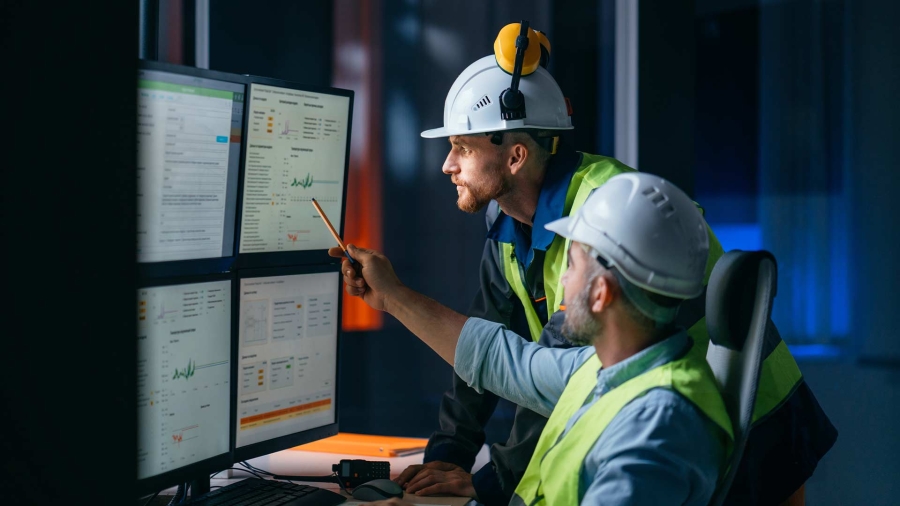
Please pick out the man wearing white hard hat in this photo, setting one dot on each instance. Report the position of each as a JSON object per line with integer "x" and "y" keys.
{"x": 648, "y": 426}
{"x": 502, "y": 117}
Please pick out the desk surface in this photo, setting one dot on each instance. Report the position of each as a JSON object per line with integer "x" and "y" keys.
{"x": 300, "y": 463}
{"x": 292, "y": 462}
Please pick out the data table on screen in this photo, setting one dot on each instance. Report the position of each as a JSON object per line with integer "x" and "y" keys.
{"x": 189, "y": 138}
{"x": 287, "y": 369}
{"x": 296, "y": 151}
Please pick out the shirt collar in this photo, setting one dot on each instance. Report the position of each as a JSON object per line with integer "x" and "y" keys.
{"x": 550, "y": 206}
{"x": 663, "y": 352}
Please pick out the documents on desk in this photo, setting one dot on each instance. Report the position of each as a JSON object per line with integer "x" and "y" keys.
{"x": 367, "y": 445}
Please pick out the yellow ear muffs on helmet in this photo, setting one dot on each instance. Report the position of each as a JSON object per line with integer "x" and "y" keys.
{"x": 505, "y": 49}
{"x": 519, "y": 51}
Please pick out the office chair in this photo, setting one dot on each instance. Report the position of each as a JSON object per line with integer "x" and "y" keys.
{"x": 738, "y": 306}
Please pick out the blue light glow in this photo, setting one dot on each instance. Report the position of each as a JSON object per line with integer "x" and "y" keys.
{"x": 743, "y": 236}
{"x": 814, "y": 351}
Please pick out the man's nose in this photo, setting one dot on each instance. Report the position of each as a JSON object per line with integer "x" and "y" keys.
{"x": 450, "y": 165}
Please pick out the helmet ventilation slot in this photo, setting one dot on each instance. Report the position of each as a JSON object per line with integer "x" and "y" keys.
{"x": 485, "y": 101}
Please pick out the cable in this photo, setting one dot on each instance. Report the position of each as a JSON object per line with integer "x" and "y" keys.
{"x": 254, "y": 468}
{"x": 311, "y": 479}
{"x": 332, "y": 478}
{"x": 154, "y": 496}
{"x": 340, "y": 483}
{"x": 178, "y": 497}
{"x": 249, "y": 471}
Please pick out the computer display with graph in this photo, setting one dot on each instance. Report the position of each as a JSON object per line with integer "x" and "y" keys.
{"x": 297, "y": 150}
{"x": 239, "y": 305}
{"x": 189, "y": 145}
{"x": 184, "y": 376}
{"x": 286, "y": 358}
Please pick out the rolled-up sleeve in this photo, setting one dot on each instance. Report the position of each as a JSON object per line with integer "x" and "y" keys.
{"x": 490, "y": 357}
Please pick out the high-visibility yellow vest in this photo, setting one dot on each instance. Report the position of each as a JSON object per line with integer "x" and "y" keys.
{"x": 779, "y": 374}
{"x": 553, "y": 474}
{"x": 593, "y": 172}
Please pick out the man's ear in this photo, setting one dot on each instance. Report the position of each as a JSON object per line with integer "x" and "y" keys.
{"x": 517, "y": 156}
{"x": 601, "y": 293}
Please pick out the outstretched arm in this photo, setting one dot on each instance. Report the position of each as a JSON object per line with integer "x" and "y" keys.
{"x": 490, "y": 356}
{"x": 436, "y": 325}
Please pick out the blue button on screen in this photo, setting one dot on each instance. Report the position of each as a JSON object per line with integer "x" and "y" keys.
{"x": 221, "y": 138}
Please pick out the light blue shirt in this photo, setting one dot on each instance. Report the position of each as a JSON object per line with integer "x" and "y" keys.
{"x": 659, "y": 449}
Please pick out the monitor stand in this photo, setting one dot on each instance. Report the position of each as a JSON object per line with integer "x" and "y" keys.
{"x": 200, "y": 486}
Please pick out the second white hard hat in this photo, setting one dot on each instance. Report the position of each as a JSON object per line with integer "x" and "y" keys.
{"x": 473, "y": 103}
{"x": 647, "y": 228}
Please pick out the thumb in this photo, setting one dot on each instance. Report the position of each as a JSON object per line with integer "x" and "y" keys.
{"x": 355, "y": 251}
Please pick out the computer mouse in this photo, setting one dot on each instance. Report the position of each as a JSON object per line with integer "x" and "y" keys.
{"x": 377, "y": 490}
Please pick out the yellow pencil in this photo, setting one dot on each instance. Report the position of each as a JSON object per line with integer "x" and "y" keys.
{"x": 333, "y": 231}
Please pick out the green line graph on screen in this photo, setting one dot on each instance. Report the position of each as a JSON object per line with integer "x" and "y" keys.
{"x": 187, "y": 372}
{"x": 297, "y": 151}
{"x": 308, "y": 181}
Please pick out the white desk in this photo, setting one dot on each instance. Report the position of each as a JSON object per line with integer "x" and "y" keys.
{"x": 297, "y": 463}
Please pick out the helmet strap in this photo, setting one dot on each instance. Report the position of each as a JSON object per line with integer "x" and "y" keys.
{"x": 512, "y": 101}
{"x": 663, "y": 316}
{"x": 659, "y": 314}
{"x": 551, "y": 144}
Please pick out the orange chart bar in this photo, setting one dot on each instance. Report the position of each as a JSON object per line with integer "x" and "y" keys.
{"x": 293, "y": 410}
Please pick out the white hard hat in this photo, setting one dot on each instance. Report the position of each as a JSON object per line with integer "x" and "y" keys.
{"x": 648, "y": 229}
{"x": 473, "y": 103}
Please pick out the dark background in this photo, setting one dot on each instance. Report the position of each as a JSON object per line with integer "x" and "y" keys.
{"x": 778, "y": 117}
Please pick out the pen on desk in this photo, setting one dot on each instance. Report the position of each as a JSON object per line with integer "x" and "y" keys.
{"x": 334, "y": 232}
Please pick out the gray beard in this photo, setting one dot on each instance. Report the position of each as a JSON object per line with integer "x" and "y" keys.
{"x": 579, "y": 327}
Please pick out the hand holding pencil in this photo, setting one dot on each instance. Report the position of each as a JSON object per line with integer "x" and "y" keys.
{"x": 333, "y": 231}
{"x": 380, "y": 279}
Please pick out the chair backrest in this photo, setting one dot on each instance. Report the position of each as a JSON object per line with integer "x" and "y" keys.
{"x": 739, "y": 299}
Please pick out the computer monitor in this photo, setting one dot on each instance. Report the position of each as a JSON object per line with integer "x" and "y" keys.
{"x": 184, "y": 379}
{"x": 298, "y": 144}
{"x": 190, "y": 125}
{"x": 287, "y": 358}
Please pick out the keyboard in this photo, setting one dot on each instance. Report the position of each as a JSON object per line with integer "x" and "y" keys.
{"x": 257, "y": 492}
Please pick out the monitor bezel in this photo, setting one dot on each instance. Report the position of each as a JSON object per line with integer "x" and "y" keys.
{"x": 211, "y": 265}
{"x": 289, "y": 258}
{"x": 297, "y": 438}
{"x": 205, "y": 467}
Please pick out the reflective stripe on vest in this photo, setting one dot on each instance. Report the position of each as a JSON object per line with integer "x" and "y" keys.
{"x": 553, "y": 474}
{"x": 779, "y": 375}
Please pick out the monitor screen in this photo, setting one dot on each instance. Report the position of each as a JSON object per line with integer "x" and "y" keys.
{"x": 183, "y": 375}
{"x": 189, "y": 144}
{"x": 287, "y": 355}
{"x": 297, "y": 143}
